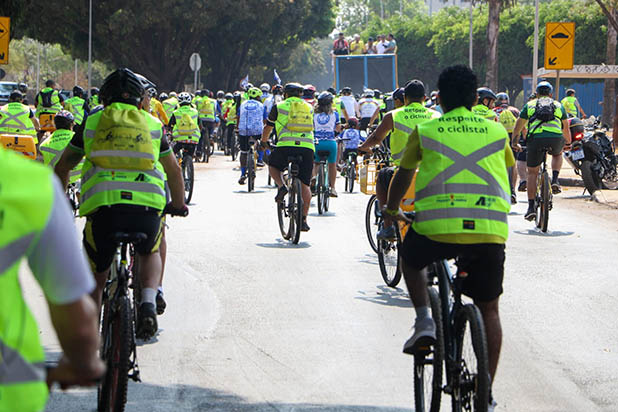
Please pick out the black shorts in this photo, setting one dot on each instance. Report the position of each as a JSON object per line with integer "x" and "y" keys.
{"x": 364, "y": 122}
{"x": 484, "y": 262}
{"x": 178, "y": 146}
{"x": 102, "y": 224}
{"x": 385, "y": 175}
{"x": 346, "y": 152}
{"x": 536, "y": 145}
{"x": 243, "y": 142}
{"x": 522, "y": 156}
{"x": 279, "y": 160}
{"x": 208, "y": 125}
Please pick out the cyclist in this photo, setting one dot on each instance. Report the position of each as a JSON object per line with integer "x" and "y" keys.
{"x": 38, "y": 225}
{"x": 571, "y": 105}
{"x": 309, "y": 94}
{"x": 293, "y": 140}
{"x": 265, "y": 88}
{"x": 369, "y": 110}
{"x": 52, "y": 147}
{"x": 16, "y": 117}
{"x": 349, "y": 105}
{"x": 250, "y": 127}
{"x": 507, "y": 116}
{"x": 94, "y": 101}
{"x": 23, "y": 88}
{"x": 48, "y": 100}
{"x": 485, "y": 104}
{"x": 184, "y": 124}
{"x": 477, "y": 152}
{"x": 548, "y": 129}
{"x": 326, "y": 123}
{"x": 156, "y": 107}
{"x": 207, "y": 108}
{"x": 351, "y": 138}
{"x": 230, "y": 115}
{"x": 77, "y": 105}
{"x": 275, "y": 97}
{"x": 123, "y": 191}
{"x": 170, "y": 104}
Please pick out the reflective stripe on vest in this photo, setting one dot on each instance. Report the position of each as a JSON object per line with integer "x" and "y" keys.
{"x": 54, "y": 152}
{"x": 286, "y": 137}
{"x": 18, "y": 124}
{"x": 77, "y": 104}
{"x": 15, "y": 369}
{"x": 553, "y": 126}
{"x": 96, "y": 169}
{"x": 106, "y": 186}
{"x": 12, "y": 253}
{"x": 460, "y": 213}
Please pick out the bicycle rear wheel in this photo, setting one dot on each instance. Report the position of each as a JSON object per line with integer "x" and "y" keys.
{"x": 297, "y": 210}
{"x": 428, "y": 368}
{"x": 388, "y": 258}
{"x": 542, "y": 204}
{"x": 352, "y": 177}
{"x": 117, "y": 336}
{"x": 326, "y": 188}
{"x": 320, "y": 190}
{"x": 206, "y": 150}
{"x": 372, "y": 222}
{"x": 471, "y": 358}
{"x": 188, "y": 176}
{"x": 250, "y": 172}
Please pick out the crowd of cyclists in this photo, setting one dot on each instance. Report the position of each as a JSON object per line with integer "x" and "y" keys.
{"x": 118, "y": 147}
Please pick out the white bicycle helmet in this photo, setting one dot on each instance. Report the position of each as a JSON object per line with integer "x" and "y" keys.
{"x": 184, "y": 97}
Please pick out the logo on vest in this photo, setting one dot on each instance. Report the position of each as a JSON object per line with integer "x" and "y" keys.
{"x": 483, "y": 201}
{"x": 468, "y": 224}
{"x": 140, "y": 178}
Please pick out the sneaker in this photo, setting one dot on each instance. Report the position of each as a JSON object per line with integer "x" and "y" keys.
{"x": 513, "y": 199}
{"x": 281, "y": 192}
{"x": 260, "y": 164}
{"x": 146, "y": 321}
{"x": 423, "y": 337}
{"x": 522, "y": 186}
{"x": 530, "y": 215}
{"x": 556, "y": 188}
{"x": 492, "y": 404}
{"x": 304, "y": 227}
{"x": 333, "y": 192}
{"x": 242, "y": 180}
{"x": 161, "y": 304}
{"x": 387, "y": 233}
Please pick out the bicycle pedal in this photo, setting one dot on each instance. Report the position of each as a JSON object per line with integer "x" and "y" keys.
{"x": 135, "y": 376}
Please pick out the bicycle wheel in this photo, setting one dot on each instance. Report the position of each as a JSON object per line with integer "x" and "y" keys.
{"x": 285, "y": 219}
{"x": 352, "y": 177}
{"x": 297, "y": 210}
{"x": 388, "y": 258}
{"x": 320, "y": 190}
{"x": 372, "y": 222}
{"x": 187, "y": 175}
{"x": 326, "y": 188}
{"x": 250, "y": 172}
{"x": 428, "y": 368}
{"x": 542, "y": 203}
{"x": 117, "y": 336}
{"x": 471, "y": 360}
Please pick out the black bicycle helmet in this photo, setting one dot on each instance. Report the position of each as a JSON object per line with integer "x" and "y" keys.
{"x": 94, "y": 91}
{"x": 377, "y": 93}
{"x": 325, "y": 98}
{"x": 332, "y": 90}
{"x": 205, "y": 93}
{"x": 399, "y": 94}
{"x": 163, "y": 96}
{"x": 78, "y": 91}
{"x": 277, "y": 89}
{"x": 122, "y": 85}
{"x": 485, "y": 93}
{"x": 502, "y": 98}
{"x": 294, "y": 89}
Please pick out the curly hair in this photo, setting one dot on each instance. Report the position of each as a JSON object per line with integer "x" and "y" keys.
{"x": 457, "y": 85}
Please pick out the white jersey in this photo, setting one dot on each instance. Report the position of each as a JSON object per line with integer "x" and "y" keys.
{"x": 367, "y": 107}
{"x": 351, "y": 106}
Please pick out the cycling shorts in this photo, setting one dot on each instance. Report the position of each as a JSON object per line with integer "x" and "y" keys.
{"x": 346, "y": 152}
{"x": 484, "y": 262}
{"x": 536, "y": 145}
{"x": 102, "y": 224}
{"x": 364, "y": 123}
{"x": 385, "y": 175}
{"x": 208, "y": 125}
{"x": 178, "y": 146}
{"x": 243, "y": 142}
{"x": 279, "y": 160}
{"x": 329, "y": 146}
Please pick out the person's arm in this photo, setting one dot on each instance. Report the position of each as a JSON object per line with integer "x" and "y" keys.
{"x": 579, "y": 107}
{"x": 384, "y": 128}
{"x": 520, "y": 125}
{"x": 270, "y": 123}
{"x": 174, "y": 179}
{"x": 566, "y": 132}
{"x": 376, "y": 112}
{"x": 72, "y": 155}
{"x": 162, "y": 115}
{"x": 403, "y": 178}
{"x": 35, "y": 121}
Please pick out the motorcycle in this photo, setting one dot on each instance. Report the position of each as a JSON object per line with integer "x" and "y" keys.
{"x": 592, "y": 155}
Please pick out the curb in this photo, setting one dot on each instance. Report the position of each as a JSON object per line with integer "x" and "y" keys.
{"x": 571, "y": 182}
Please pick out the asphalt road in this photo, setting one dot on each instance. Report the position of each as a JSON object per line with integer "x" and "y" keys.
{"x": 254, "y": 323}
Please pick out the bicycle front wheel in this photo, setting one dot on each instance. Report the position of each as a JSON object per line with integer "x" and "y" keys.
{"x": 428, "y": 368}
{"x": 188, "y": 176}
{"x": 388, "y": 258}
{"x": 472, "y": 380}
{"x": 297, "y": 210}
{"x": 372, "y": 222}
{"x": 352, "y": 177}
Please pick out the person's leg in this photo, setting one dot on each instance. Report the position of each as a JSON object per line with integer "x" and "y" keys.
{"x": 161, "y": 304}
{"x": 243, "y": 141}
{"x": 556, "y": 165}
{"x": 493, "y": 330}
{"x": 306, "y": 194}
{"x": 332, "y": 175}
{"x": 276, "y": 175}
{"x": 523, "y": 175}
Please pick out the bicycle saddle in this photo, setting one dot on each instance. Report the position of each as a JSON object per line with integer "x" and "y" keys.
{"x": 131, "y": 237}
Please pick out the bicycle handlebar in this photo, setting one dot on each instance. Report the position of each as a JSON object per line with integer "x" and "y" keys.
{"x": 170, "y": 210}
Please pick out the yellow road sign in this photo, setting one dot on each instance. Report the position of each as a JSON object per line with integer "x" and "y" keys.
{"x": 5, "y": 37}
{"x": 559, "y": 45}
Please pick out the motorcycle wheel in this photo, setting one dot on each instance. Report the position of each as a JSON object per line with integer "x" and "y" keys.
{"x": 592, "y": 181}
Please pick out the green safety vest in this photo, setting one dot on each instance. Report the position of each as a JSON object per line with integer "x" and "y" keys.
{"x": 189, "y": 132}
{"x": 206, "y": 107}
{"x": 288, "y": 138}
{"x": 462, "y": 184}
{"x": 26, "y": 201}
{"x": 169, "y": 105}
{"x": 53, "y": 147}
{"x": 484, "y": 111}
{"x": 107, "y": 187}
{"x": 93, "y": 101}
{"x": 55, "y": 107}
{"x": 405, "y": 120}
{"x": 231, "y": 116}
{"x": 77, "y": 108}
{"x": 569, "y": 105}
{"x": 537, "y": 127}
{"x": 16, "y": 119}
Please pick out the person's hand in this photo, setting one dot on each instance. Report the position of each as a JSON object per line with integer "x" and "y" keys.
{"x": 584, "y": 116}
{"x": 516, "y": 147}
{"x": 390, "y": 219}
{"x": 67, "y": 375}
{"x": 567, "y": 146}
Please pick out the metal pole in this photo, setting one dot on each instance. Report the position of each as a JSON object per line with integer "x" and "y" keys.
{"x": 535, "y": 53}
{"x": 38, "y": 66}
{"x": 75, "y": 84}
{"x": 557, "y": 85}
{"x": 89, "y": 45}
{"x": 194, "y": 80}
{"x": 471, "y": 34}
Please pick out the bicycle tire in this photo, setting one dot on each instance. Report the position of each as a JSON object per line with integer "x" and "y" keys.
{"x": 250, "y": 172}
{"x": 206, "y": 151}
{"x": 428, "y": 392}
{"x": 319, "y": 187}
{"x": 112, "y": 392}
{"x": 387, "y": 250}
{"x": 285, "y": 220}
{"x": 297, "y": 210}
{"x": 188, "y": 176}
{"x": 473, "y": 385}
{"x": 372, "y": 222}
{"x": 543, "y": 215}
{"x": 352, "y": 177}
{"x": 326, "y": 188}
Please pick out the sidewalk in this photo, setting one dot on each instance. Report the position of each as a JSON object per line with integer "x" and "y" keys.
{"x": 569, "y": 178}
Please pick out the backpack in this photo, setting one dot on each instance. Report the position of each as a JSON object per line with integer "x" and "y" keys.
{"x": 508, "y": 120}
{"x": 46, "y": 98}
{"x": 300, "y": 118}
{"x": 544, "y": 110}
{"x": 121, "y": 130}
{"x": 186, "y": 125}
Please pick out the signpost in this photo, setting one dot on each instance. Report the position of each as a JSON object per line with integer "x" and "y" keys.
{"x": 559, "y": 48}
{"x": 195, "y": 63}
{"x": 5, "y": 37}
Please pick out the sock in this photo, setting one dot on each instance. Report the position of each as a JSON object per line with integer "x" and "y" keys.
{"x": 243, "y": 170}
{"x": 554, "y": 176}
{"x": 530, "y": 204}
{"x": 149, "y": 295}
{"x": 422, "y": 312}
{"x": 260, "y": 156}
{"x": 160, "y": 289}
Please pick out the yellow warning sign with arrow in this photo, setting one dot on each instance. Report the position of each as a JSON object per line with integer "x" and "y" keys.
{"x": 559, "y": 45}
{"x": 5, "y": 37}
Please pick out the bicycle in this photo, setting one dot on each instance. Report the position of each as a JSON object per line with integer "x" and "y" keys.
{"x": 186, "y": 164}
{"x": 349, "y": 170}
{"x": 290, "y": 209}
{"x": 251, "y": 167}
{"x": 322, "y": 183}
{"x": 373, "y": 216}
{"x": 235, "y": 148}
{"x": 460, "y": 350}
{"x": 73, "y": 196}
{"x": 543, "y": 201}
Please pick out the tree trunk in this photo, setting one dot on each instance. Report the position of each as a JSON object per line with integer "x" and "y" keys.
{"x": 493, "y": 28}
{"x": 609, "y": 91}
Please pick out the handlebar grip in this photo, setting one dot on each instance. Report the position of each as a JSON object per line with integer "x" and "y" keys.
{"x": 170, "y": 210}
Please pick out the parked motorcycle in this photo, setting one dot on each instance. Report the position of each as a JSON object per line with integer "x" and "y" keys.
{"x": 592, "y": 155}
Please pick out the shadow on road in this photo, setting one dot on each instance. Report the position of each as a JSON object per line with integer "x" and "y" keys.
{"x": 327, "y": 214}
{"x": 284, "y": 244}
{"x": 549, "y": 233}
{"x": 247, "y": 193}
{"x": 386, "y": 296}
{"x": 370, "y": 259}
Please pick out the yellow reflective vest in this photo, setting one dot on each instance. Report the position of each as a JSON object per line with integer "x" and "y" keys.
{"x": 405, "y": 120}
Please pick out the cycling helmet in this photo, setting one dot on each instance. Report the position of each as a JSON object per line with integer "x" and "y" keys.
{"x": 78, "y": 91}
{"x": 163, "y": 96}
{"x": 576, "y": 126}
{"x": 377, "y": 93}
{"x": 184, "y": 98}
{"x": 325, "y": 98}
{"x": 22, "y": 87}
{"x": 249, "y": 85}
{"x": 145, "y": 82}
{"x": 173, "y": 94}
{"x": 16, "y": 96}
{"x": 309, "y": 91}
{"x": 544, "y": 88}
{"x": 94, "y": 91}
{"x": 368, "y": 93}
{"x": 502, "y": 98}
{"x": 229, "y": 96}
{"x": 64, "y": 114}
{"x": 398, "y": 94}
{"x": 198, "y": 93}
{"x": 205, "y": 93}
{"x": 254, "y": 93}
{"x": 277, "y": 89}
{"x": 485, "y": 93}
{"x": 532, "y": 96}
{"x": 346, "y": 90}
{"x": 152, "y": 92}
{"x": 332, "y": 90}
{"x": 265, "y": 87}
{"x": 237, "y": 94}
{"x": 122, "y": 85}
{"x": 570, "y": 92}
{"x": 294, "y": 89}
{"x": 353, "y": 122}
{"x": 220, "y": 94}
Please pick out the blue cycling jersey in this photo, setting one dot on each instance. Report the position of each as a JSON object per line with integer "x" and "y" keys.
{"x": 251, "y": 118}
{"x": 324, "y": 125}
{"x": 354, "y": 136}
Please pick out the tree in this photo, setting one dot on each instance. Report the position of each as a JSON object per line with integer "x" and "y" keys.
{"x": 493, "y": 30}
{"x": 609, "y": 91}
